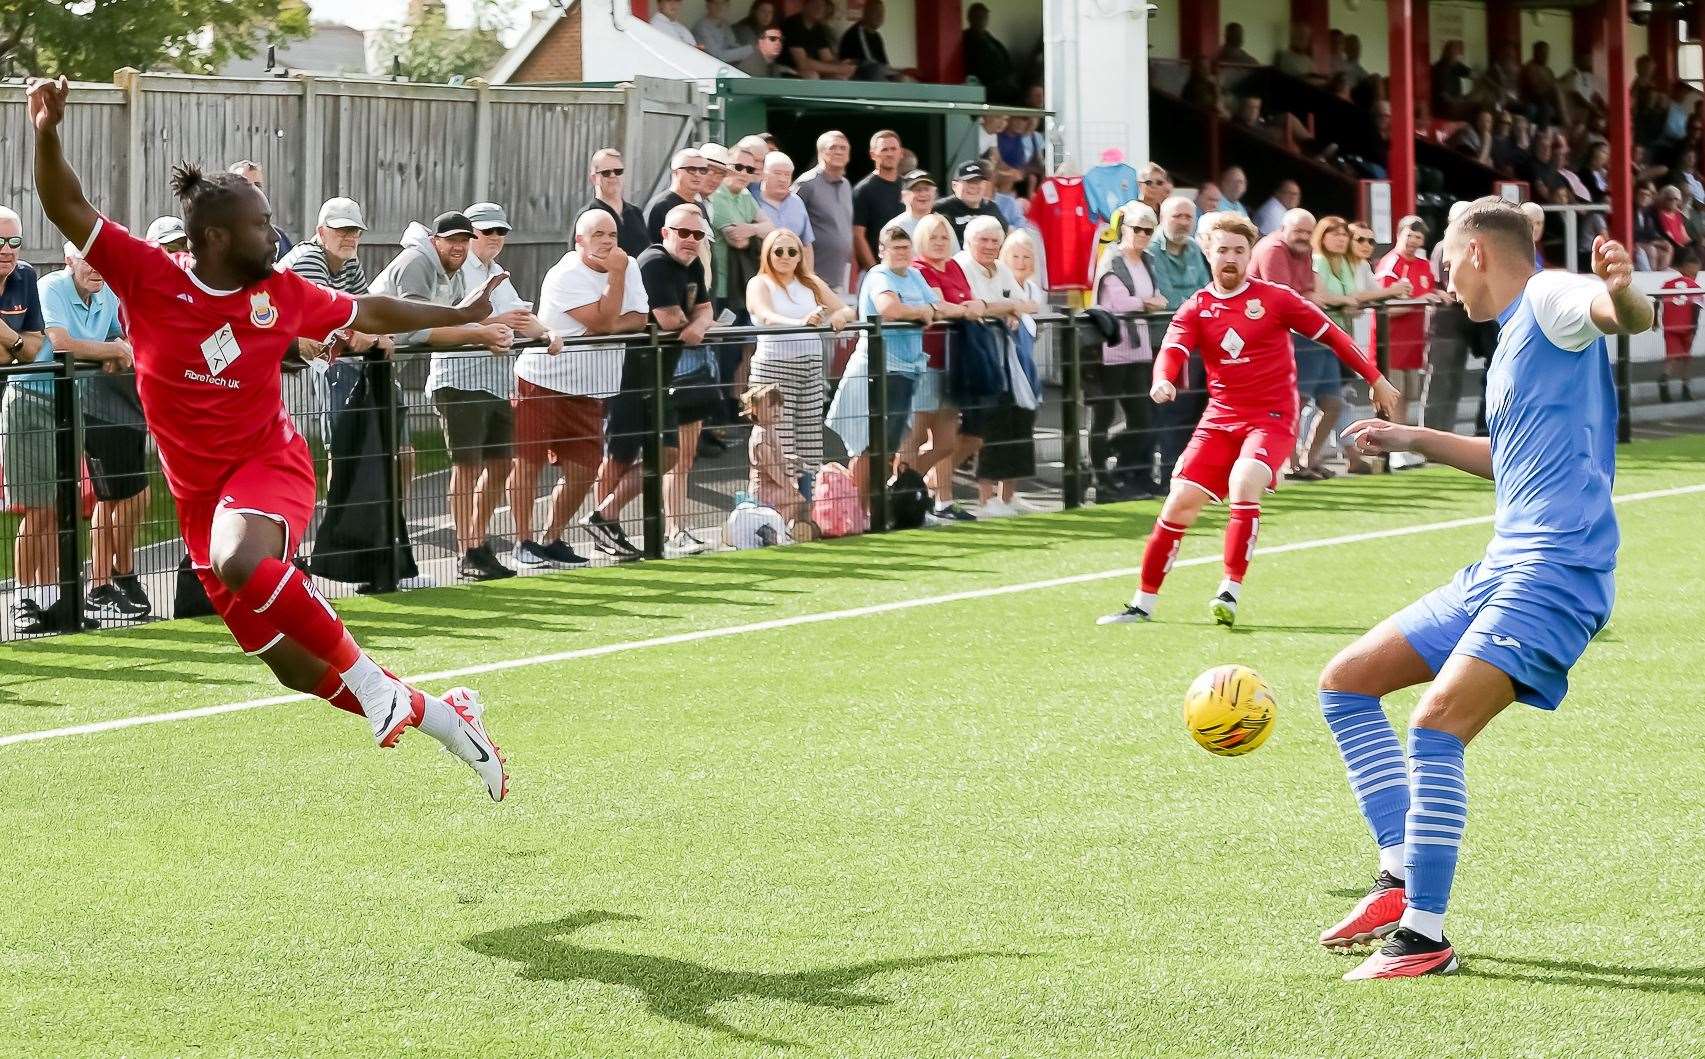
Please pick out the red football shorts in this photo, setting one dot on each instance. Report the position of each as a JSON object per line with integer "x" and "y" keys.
{"x": 278, "y": 485}
{"x": 1207, "y": 460}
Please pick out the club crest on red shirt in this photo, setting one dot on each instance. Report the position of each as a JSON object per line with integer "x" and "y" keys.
{"x": 1254, "y": 309}
{"x": 262, "y": 313}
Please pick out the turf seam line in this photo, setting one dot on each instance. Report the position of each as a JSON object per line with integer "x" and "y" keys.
{"x": 116, "y": 724}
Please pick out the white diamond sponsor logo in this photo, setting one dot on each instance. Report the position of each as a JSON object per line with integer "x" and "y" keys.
{"x": 1232, "y": 343}
{"x": 221, "y": 350}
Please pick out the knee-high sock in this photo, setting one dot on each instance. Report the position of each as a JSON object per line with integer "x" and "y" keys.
{"x": 1379, "y": 778}
{"x": 288, "y": 600}
{"x": 1159, "y": 553}
{"x": 1240, "y": 535}
{"x": 1438, "y": 813}
{"x": 332, "y": 688}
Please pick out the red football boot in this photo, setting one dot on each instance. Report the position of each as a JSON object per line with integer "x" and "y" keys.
{"x": 1374, "y": 916}
{"x": 1407, "y": 954}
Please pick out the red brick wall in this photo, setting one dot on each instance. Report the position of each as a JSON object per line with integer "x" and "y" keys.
{"x": 557, "y": 58}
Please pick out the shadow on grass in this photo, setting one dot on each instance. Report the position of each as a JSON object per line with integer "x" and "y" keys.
{"x": 1675, "y": 980}
{"x": 681, "y": 990}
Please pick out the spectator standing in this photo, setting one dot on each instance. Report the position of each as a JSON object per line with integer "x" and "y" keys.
{"x": 1351, "y": 67}
{"x": 809, "y": 47}
{"x": 917, "y": 196}
{"x": 1006, "y": 451}
{"x": 667, "y": 21}
{"x": 469, "y": 390}
{"x": 828, "y": 198}
{"x": 1335, "y": 272}
{"x": 687, "y": 171}
{"x": 1233, "y": 186}
{"x": 1179, "y": 269}
{"x": 1297, "y": 60}
{"x": 1232, "y": 52}
{"x": 28, "y": 432}
{"x": 862, "y": 45}
{"x": 876, "y": 198}
{"x": 1156, "y": 184}
{"x": 785, "y": 293}
{"x": 607, "y": 172}
{"x": 765, "y": 60}
{"x": 1680, "y": 315}
{"x": 1287, "y": 196}
{"x": 779, "y": 203}
{"x": 934, "y": 446}
{"x": 1451, "y": 339}
{"x": 1208, "y": 198}
{"x": 987, "y": 59}
{"x": 81, "y": 319}
{"x": 760, "y": 16}
{"x": 168, "y": 233}
{"x": 1408, "y": 343}
{"x": 1538, "y": 87}
{"x": 969, "y": 199}
{"x": 595, "y": 289}
{"x": 1451, "y": 77}
{"x": 716, "y": 37}
{"x": 989, "y": 129}
{"x": 1287, "y": 256}
{"x": 742, "y": 226}
{"x": 1023, "y": 258}
{"x": 679, "y": 299}
{"x": 1120, "y": 381}
{"x": 256, "y": 176}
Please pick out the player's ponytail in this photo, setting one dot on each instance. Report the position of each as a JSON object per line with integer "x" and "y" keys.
{"x": 188, "y": 182}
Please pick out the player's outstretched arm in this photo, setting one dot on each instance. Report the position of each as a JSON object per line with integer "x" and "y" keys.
{"x": 1378, "y": 437}
{"x": 57, "y": 186}
{"x": 380, "y": 314}
{"x": 1620, "y": 310}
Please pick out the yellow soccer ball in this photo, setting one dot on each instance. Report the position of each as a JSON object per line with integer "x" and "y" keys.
{"x": 1230, "y": 710}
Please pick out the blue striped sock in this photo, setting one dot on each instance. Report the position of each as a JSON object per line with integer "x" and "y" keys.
{"x": 1378, "y": 777}
{"x": 1438, "y": 813}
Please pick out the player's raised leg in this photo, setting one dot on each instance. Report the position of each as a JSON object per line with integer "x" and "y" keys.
{"x": 1183, "y": 506}
{"x": 1351, "y": 687}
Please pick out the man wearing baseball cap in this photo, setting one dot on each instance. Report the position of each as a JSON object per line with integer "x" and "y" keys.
{"x": 169, "y": 234}
{"x": 970, "y": 198}
{"x": 917, "y": 195}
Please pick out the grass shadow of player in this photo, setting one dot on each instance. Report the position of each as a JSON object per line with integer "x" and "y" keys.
{"x": 1674, "y": 980}
{"x": 683, "y": 991}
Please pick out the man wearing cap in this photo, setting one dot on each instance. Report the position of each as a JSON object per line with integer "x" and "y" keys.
{"x": 828, "y": 198}
{"x": 688, "y": 170}
{"x": 470, "y": 389}
{"x": 917, "y": 197}
{"x": 876, "y": 198}
{"x": 777, "y": 201}
{"x": 169, "y": 235}
{"x": 606, "y": 176}
{"x": 970, "y": 198}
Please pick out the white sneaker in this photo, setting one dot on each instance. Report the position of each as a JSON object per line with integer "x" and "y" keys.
{"x": 418, "y": 581}
{"x": 1223, "y": 608}
{"x": 683, "y": 543}
{"x": 389, "y": 715}
{"x": 476, "y": 747}
{"x": 1403, "y": 461}
{"x": 1129, "y": 616}
{"x": 995, "y": 508}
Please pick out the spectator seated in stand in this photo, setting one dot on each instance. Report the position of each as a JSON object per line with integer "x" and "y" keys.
{"x": 667, "y": 21}
{"x": 862, "y": 45}
{"x": 1231, "y": 52}
{"x": 716, "y": 37}
{"x": 809, "y": 47}
{"x": 987, "y": 59}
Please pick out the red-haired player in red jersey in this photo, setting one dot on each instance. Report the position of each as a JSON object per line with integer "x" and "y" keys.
{"x": 1242, "y": 327}
{"x": 211, "y": 331}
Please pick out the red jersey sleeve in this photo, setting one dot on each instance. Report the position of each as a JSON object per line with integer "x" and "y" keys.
{"x": 318, "y": 311}
{"x": 1308, "y": 319}
{"x": 1182, "y": 336}
{"x": 123, "y": 260}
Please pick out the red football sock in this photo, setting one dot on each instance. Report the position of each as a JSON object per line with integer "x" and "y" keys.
{"x": 1240, "y": 535}
{"x": 289, "y": 601}
{"x": 1159, "y": 553}
{"x": 332, "y": 688}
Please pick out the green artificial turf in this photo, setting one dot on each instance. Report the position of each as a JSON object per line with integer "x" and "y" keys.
{"x": 976, "y": 828}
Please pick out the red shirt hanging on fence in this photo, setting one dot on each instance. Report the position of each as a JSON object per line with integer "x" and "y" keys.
{"x": 1060, "y": 211}
{"x": 208, "y": 361}
{"x": 1408, "y": 326}
{"x": 1680, "y": 317}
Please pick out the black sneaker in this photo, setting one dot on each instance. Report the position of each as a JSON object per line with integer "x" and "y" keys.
{"x": 25, "y": 610}
{"x": 1129, "y": 616}
{"x": 106, "y": 601}
{"x": 558, "y": 553}
{"x": 57, "y": 618}
{"x": 1407, "y": 954}
{"x": 952, "y": 513}
{"x": 130, "y": 586}
{"x": 478, "y": 564}
{"x": 529, "y": 553}
{"x": 607, "y": 537}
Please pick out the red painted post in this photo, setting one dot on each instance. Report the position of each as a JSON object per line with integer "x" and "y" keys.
{"x": 1421, "y": 27}
{"x": 1663, "y": 37}
{"x": 1317, "y": 16}
{"x": 1401, "y": 162}
{"x": 941, "y": 33}
{"x": 1615, "y": 14}
{"x": 1588, "y": 38}
{"x": 641, "y": 10}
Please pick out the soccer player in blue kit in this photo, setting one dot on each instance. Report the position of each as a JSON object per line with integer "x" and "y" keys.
{"x": 1508, "y": 627}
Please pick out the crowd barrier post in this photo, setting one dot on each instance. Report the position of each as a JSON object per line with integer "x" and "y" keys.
{"x": 651, "y": 496}
{"x": 381, "y": 373}
{"x": 1382, "y": 360}
{"x": 1624, "y": 391}
{"x": 68, "y": 468}
{"x": 1071, "y": 437}
{"x": 877, "y": 356}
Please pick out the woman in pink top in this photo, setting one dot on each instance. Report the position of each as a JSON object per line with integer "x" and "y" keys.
{"x": 1122, "y": 379}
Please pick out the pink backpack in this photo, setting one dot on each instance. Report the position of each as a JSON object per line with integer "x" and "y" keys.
{"x": 834, "y": 502}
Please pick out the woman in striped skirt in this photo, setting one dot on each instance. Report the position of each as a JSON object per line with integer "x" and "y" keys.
{"x": 785, "y": 293}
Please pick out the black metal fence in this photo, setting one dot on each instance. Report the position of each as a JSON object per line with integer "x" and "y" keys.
{"x": 90, "y": 534}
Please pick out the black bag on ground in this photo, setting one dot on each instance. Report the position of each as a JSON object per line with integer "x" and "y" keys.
{"x": 908, "y": 499}
{"x": 354, "y": 541}
{"x": 190, "y": 600}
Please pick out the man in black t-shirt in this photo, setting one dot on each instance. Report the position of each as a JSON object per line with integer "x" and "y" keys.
{"x": 862, "y": 44}
{"x": 808, "y": 45}
{"x": 876, "y": 198}
{"x": 688, "y": 169}
{"x": 606, "y": 176}
{"x": 969, "y": 199}
{"x": 675, "y": 287}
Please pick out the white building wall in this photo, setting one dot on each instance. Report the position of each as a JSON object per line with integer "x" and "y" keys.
{"x": 1096, "y": 82}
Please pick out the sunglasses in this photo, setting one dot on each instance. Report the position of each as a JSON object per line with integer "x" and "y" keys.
{"x": 689, "y": 233}
{"x": 1140, "y": 230}
{"x": 495, "y": 231}
{"x": 611, "y": 172}
{"x": 786, "y": 251}
{"x": 696, "y": 170}
{"x": 749, "y": 170}
{"x": 13, "y": 241}
{"x": 1367, "y": 239}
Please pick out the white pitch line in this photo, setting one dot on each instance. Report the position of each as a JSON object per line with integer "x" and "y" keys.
{"x": 789, "y": 622}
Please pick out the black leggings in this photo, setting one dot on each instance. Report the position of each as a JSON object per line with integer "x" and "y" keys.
{"x": 1108, "y": 389}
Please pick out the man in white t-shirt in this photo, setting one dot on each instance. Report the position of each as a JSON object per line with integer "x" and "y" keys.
{"x": 559, "y": 394}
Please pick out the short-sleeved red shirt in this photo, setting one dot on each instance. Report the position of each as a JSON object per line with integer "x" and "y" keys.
{"x": 1680, "y": 318}
{"x": 1273, "y": 261}
{"x": 955, "y": 290}
{"x": 208, "y": 361}
{"x": 1408, "y": 329}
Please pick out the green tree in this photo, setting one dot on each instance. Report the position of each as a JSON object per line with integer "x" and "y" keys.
{"x": 432, "y": 51}
{"x": 89, "y": 39}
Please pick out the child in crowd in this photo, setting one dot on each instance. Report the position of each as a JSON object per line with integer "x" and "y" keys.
{"x": 774, "y": 474}
{"x": 1681, "y": 320}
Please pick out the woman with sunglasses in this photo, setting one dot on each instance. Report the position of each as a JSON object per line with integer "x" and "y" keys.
{"x": 786, "y": 293}
{"x": 1122, "y": 378}
{"x": 1368, "y": 292}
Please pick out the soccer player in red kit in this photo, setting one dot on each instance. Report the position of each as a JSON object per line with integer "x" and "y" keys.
{"x": 1242, "y": 327}
{"x": 211, "y": 330}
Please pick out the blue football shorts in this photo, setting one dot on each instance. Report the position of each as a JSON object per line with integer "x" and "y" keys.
{"x": 1532, "y": 620}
